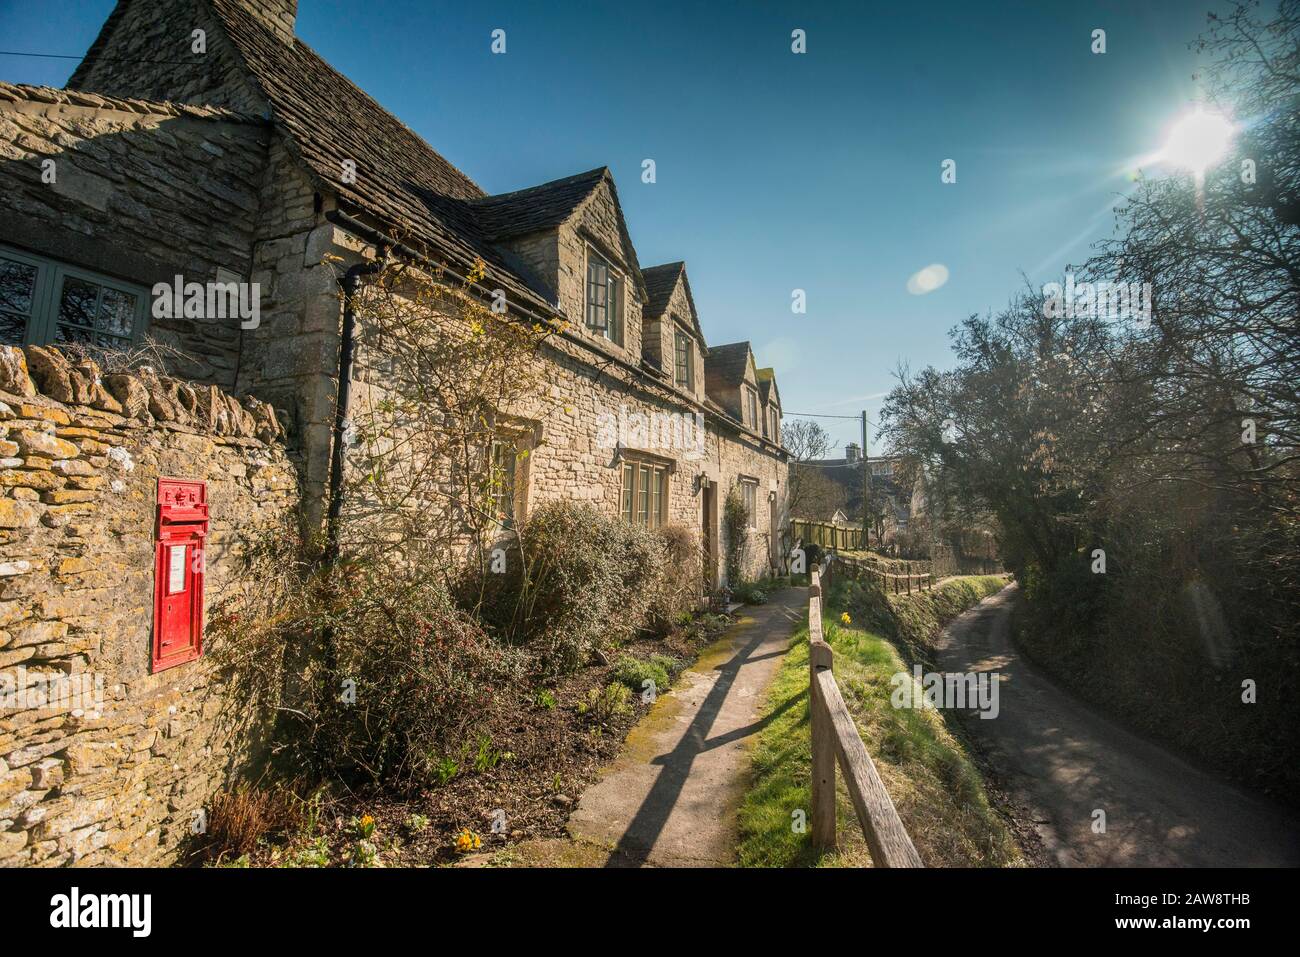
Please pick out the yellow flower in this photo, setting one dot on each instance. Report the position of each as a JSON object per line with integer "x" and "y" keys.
{"x": 367, "y": 820}
{"x": 845, "y": 619}
{"x": 468, "y": 841}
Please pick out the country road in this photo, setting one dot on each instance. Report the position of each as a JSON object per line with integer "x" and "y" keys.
{"x": 1060, "y": 761}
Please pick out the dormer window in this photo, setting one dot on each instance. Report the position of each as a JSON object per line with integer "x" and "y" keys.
{"x": 685, "y": 362}
{"x": 751, "y": 408}
{"x": 604, "y": 298}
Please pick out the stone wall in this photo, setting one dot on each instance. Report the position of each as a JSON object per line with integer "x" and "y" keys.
{"x": 597, "y": 223}
{"x": 121, "y": 198}
{"x": 147, "y": 51}
{"x": 117, "y": 779}
{"x": 579, "y": 396}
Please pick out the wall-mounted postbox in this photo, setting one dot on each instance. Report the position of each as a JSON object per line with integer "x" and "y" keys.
{"x": 178, "y": 572}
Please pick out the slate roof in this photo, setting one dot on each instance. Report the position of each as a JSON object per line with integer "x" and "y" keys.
{"x": 405, "y": 184}
{"x": 726, "y": 364}
{"x": 660, "y": 281}
{"x": 530, "y": 210}
{"x": 400, "y": 179}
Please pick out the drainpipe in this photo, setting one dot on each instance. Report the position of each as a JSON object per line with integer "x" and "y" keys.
{"x": 347, "y": 347}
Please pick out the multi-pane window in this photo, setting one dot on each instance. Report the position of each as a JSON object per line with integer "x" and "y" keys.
{"x": 502, "y": 480}
{"x": 604, "y": 298}
{"x": 776, "y": 426}
{"x": 43, "y": 301}
{"x": 644, "y": 496}
{"x": 749, "y": 493}
{"x": 751, "y": 408}
{"x": 685, "y": 361}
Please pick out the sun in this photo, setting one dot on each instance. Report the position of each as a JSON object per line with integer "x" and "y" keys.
{"x": 1198, "y": 140}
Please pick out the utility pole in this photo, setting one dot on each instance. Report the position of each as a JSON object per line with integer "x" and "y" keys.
{"x": 866, "y": 485}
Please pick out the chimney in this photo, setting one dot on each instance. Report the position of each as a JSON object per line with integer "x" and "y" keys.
{"x": 851, "y": 453}
{"x": 279, "y": 15}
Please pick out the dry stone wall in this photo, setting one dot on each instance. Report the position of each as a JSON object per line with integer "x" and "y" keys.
{"x": 114, "y": 767}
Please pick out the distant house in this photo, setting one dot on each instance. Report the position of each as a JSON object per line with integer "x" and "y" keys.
{"x": 885, "y": 488}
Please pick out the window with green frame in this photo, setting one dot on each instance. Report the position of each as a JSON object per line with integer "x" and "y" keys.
{"x": 685, "y": 364}
{"x": 604, "y": 298}
{"x": 43, "y": 301}
{"x": 505, "y": 454}
{"x": 643, "y": 499}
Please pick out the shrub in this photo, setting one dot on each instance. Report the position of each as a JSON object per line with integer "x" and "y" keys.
{"x": 601, "y": 706}
{"x": 735, "y": 529}
{"x": 392, "y": 676}
{"x": 577, "y": 583}
{"x": 238, "y": 820}
{"x": 751, "y": 593}
{"x": 425, "y": 673}
{"x": 680, "y": 581}
{"x": 635, "y": 672}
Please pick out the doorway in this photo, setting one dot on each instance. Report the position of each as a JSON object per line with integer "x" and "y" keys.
{"x": 709, "y": 535}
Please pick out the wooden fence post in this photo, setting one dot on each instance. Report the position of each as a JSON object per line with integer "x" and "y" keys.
{"x": 821, "y": 657}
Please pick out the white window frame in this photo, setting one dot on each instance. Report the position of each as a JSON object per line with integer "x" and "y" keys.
{"x": 42, "y": 321}
{"x": 686, "y": 381}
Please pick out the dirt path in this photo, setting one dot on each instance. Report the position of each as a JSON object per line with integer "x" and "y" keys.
{"x": 1060, "y": 760}
{"x": 670, "y": 798}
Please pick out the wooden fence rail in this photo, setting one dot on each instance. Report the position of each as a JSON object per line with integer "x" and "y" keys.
{"x": 917, "y": 573}
{"x": 825, "y": 534}
{"x": 835, "y": 736}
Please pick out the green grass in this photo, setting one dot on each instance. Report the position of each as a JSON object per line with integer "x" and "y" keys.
{"x": 929, "y": 776}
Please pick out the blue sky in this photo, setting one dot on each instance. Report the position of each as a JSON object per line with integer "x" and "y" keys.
{"x": 778, "y": 171}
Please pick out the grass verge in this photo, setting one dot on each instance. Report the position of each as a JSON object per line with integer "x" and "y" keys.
{"x": 927, "y": 771}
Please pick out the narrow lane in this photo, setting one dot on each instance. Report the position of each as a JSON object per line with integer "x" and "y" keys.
{"x": 1063, "y": 761}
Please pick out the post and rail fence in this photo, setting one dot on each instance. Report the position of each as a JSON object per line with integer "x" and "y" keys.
{"x": 826, "y": 535}
{"x": 945, "y": 560}
{"x": 898, "y": 577}
{"x": 835, "y": 737}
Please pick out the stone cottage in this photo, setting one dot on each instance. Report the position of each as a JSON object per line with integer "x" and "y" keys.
{"x": 201, "y": 142}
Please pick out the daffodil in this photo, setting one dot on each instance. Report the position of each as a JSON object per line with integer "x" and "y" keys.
{"x": 468, "y": 841}
{"x": 845, "y": 619}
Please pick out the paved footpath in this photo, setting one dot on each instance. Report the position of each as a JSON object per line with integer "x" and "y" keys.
{"x": 1062, "y": 761}
{"x": 670, "y": 798}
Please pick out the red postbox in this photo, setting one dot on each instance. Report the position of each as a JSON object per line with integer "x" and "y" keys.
{"x": 178, "y": 572}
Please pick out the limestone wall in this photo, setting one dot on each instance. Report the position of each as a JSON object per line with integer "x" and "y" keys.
{"x": 119, "y": 777}
{"x": 109, "y": 186}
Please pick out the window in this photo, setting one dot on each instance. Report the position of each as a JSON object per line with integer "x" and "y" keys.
{"x": 749, "y": 492}
{"x": 42, "y": 301}
{"x": 685, "y": 364}
{"x": 776, "y": 426}
{"x": 604, "y": 298}
{"x": 644, "y": 496}
{"x": 502, "y": 481}
{"x": 751, "y": 408}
